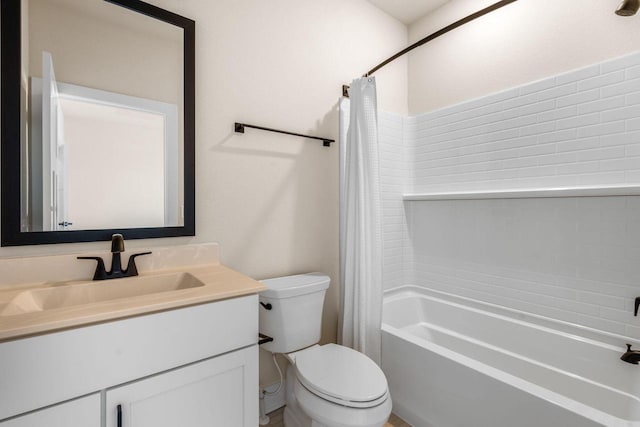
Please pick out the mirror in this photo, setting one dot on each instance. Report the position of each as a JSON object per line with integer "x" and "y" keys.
{"x": 98, "y": 121}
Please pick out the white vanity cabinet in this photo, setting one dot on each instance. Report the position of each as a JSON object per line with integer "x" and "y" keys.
{"x": 193, "y": 366}
{"x": 81, "y": 412}
{"x": 214, "y": 392}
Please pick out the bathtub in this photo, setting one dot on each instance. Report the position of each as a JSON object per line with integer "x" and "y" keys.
{"x": 452, "y": 361}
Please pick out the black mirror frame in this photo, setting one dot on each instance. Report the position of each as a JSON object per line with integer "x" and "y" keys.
{"x": 10, "y": 197}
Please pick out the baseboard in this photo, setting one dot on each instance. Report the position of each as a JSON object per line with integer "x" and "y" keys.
{"x": 274, "y": 401}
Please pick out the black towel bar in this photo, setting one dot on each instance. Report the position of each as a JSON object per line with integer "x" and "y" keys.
{"x": 239, "y": 128}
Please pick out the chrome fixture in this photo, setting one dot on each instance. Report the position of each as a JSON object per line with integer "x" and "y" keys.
{"x": 117, "y": 247}
{"x": 628, "y": 8}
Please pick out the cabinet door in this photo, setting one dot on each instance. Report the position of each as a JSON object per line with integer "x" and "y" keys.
{"x": 221, "y": 391}
{"x": 82, "y": 412}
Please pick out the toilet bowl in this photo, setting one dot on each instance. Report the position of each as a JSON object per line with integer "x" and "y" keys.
{"x": 337, "y": 387}
{"x": 328, "y": 385}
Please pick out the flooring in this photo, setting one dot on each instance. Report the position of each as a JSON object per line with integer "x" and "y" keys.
{"x": 276, "y": 420}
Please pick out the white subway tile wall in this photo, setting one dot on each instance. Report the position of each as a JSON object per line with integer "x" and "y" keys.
{"x": 393, "y": 176}
{"x": 573, "y": 259}
{"x": 579, "y": 128}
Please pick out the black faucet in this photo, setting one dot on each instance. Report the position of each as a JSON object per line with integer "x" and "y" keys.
{"x": 631, "y": 356}
{"x": 117, "y": 246}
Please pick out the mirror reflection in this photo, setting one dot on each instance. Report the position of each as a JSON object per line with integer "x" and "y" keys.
{"x": 102, "y": 118}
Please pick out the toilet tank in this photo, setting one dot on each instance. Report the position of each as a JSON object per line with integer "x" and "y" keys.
{"x": 295, "y": 318}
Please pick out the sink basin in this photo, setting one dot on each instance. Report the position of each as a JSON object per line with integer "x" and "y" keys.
{"x": 68, "y": 295}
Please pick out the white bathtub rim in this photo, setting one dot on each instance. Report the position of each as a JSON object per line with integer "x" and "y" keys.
{"x": 529, "y": 360}
{"x": 529, "y": 320}
{"x": 585, "y": 333}
{"x": 540, "y": 392}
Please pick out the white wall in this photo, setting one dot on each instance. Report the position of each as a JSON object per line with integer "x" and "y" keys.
{"x": 271, "y": 201}
{"x": 522, "y": 42}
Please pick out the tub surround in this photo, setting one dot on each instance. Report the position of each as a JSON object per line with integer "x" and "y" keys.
{"x": 526, "y": 198}
{"x": 201, "y": 261}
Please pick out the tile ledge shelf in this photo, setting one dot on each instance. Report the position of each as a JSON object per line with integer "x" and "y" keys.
{"x": 529, "y": 193}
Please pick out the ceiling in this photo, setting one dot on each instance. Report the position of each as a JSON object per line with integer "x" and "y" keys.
{"x": 407, "y": 11}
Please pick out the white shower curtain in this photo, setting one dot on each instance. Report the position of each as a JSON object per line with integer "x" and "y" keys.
{"x": 360, "y": 221}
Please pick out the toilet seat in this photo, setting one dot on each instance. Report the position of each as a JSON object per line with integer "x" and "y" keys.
{"x": 341, "y": 375}
{"x": 332, "y": 415}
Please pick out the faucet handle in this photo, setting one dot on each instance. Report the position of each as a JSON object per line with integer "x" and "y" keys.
{"x": 117, "y": 243}
{"x": 132, "y": 269}
{"x": 101, "y": 271}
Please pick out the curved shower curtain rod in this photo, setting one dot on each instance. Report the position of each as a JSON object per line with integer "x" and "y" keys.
{"x": 435, "y": 35}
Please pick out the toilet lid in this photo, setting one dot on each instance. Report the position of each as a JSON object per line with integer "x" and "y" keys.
{"x": 342, "y": 375}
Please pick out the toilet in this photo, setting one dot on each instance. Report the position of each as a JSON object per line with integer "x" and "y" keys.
{"x": 327, "y": 385}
